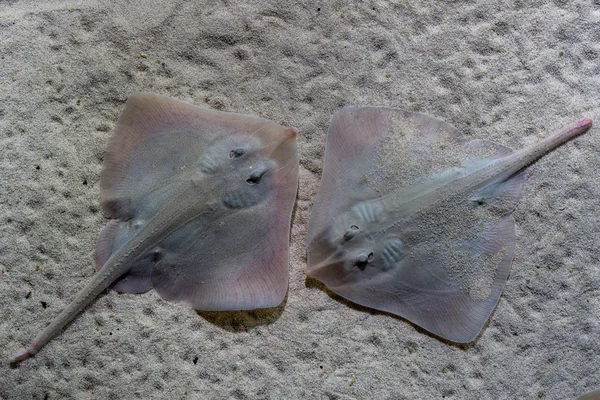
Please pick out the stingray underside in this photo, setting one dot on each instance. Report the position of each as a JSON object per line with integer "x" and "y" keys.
{"x": 203, "y": 201}
{"x": 401, "y": 224}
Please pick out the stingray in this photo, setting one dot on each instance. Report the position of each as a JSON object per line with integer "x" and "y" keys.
{"x": 414, "y": 218}
{"x": 200, "y": 205}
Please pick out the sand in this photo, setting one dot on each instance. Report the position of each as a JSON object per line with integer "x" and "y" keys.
{"x": 504, "y": 70}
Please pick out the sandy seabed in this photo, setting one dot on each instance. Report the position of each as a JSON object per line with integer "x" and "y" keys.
{"x": 508, "y": 71}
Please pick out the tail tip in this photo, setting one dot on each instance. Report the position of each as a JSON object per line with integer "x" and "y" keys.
{"x": 584, "y": 123}
{"x": 21, "y": 355}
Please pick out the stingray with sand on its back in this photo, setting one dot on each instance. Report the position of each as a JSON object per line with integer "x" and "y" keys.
{"x": 414, "y": 218}
{"x": 200, "y": 203}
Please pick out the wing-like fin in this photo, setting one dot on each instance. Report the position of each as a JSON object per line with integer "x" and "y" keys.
{"x": 414, "y": 219}
{"x": 201, "y": 205}
{"x": 245, "y": 169}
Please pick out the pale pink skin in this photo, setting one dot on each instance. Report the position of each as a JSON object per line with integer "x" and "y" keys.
{"x": 242, "y": 275}
{"x": 106, "y": 276}
{"x": 357, "y": 217}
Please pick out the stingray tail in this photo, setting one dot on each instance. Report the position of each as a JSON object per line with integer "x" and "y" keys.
{"x": 100, "y": 281}
{"x": 529, "y": 155}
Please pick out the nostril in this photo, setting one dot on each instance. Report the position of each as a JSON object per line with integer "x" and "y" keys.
{"x": 350, "y": 233}
{"x": 256, "y": 176}
{"x": 363, "y": 259}
{"x": 240, "y": 151}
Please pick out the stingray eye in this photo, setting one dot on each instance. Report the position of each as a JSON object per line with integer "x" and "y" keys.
{"x": 350, "y": 233}
{"x": 240, "y": 151}
{"x": 363, "y": 259}
{"x": 256, "y": 176}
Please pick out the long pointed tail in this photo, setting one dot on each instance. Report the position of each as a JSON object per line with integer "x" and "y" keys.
{"x": 558, "y": 137}
{"x": 100, "y": 281}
